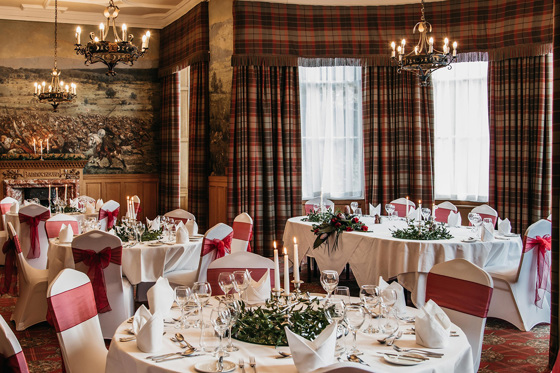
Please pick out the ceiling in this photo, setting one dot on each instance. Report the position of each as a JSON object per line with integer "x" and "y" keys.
{"x": 135, "y": 13}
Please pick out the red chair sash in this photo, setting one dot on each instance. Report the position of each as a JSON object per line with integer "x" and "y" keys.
{"x": 9, "y": 279}
{"x": 256, "y": 274}
{"x": 72, "y": 307}
{"x": 137, "y": 208}
{"x": 5, "y": 207}
{"x": 221, "y": 246}
{"x": 33, "y": 222}
{"x": 442, "y": 214}
{"x": 244, "y": 232}
{"x": 14, "y": 364}
{"x": 543, "y": 245}
{"x": 487, "y": 216}
{"x": 451, "y": 293}
{"x": 110, "y": 215}
{"x": 96, "y": 263}
{"x": 53, "y": 227}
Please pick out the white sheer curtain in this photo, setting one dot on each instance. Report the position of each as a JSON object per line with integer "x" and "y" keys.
{"x": 462, "y": 144}
{"x": 331, "y": 132}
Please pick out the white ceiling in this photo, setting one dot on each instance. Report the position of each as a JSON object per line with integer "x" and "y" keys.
{"x": 135, "y": 13}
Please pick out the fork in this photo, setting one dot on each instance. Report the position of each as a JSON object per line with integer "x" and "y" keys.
{"x": 253, "y": 363}
{"x": 242, "y": 365}
{"x": 429, "y": 353}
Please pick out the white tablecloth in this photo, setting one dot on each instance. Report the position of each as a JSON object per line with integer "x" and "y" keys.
{"x": 124, "y": 357}
{"x": 140, "y": 263}
{"x": 375, "y": 254}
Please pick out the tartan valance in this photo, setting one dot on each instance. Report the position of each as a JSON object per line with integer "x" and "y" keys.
{"x": 185, "y": 41}
{"x": 278, "y": 34}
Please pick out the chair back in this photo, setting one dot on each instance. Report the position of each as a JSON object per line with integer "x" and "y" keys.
{"x": 210, "y": 250}
{"x": 463, "y": 290}
{"x": 54, "y": 224}
{"x": 136, "y": 204}
{"x": 180, "y": 214}
{"x": 33, "y": 238}
{"x": 72, "y": 306}
{"x": 83, "y": 200}
{"x": 5, "y": 206}
{"x": 400, "y": 206}
{"x": 242, "y": 233}
{"x": 108, "y": 215}
{"x": 240, "y": 261}
{"x": 443, "y": 210}
{"x": 309, "y": 205}
{"x": 486, "y": 211}
{"x": 12, "y": 359}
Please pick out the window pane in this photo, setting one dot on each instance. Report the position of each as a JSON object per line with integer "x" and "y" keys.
{"x": 331, "y": 131}
{"x": 462, "y": 142}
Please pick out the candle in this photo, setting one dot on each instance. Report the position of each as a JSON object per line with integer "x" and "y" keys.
{"x": 65, "y": 192}
{"x": 36, "y": 85}
{"x": 431, "y": 42}
{"x": 124, "y": 32}
{"x": 419, "y": 211}
{"x": 393, "y": 49}
{"x": 34, "y": 147}
{"x": 286, "y": 273}
{"x": 434, "y": 210}
{"x": 47, "y": 146}
{"x": 454, "y": 49}
{"x": 406, "y": 213}
{"x": 276, "y": 268}
{"x": 56, "y": 192}
{"x": 127, "y": 206}
{"x": 41, "y": 144}
{"x": 144, "y": 42}
{"x": 49, "y": 194}
{"x": 403, "y": 42}
{"x": 78, "y": 33}
{"x": 296, "y": 261}
{"x": 102, "y": 31}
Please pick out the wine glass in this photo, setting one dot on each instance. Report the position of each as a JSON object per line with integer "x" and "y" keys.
{"x": 343, "y": 293}
{"x": 426, "y": 212}
{"x": 335, "y": 310}
{"x": 473, "y": 219}
{"x": 220, "y": 318}
{"x": 355, "y": 317}
{"x": 388, "y": 300}
{"x": 390, "y": 208}
{"x": 370, "y": 296}
{"x": 202, "y": 291}
{"x": 241, "y": 281}
{"x": 182, "y": 296}
{"x": 354, "y": 206}
{"x": 329, "y": 281}
{"x": 359, "y": 211}
{"x": 225, "y": 280}
{"x": 141, "y": 229}
{"x": 235, "y": 310}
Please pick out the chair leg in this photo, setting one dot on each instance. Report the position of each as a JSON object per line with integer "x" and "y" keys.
{"x": 308, "y": 269}
{"x": 347, "y": 271}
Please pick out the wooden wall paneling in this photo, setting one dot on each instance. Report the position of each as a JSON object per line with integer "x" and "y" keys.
{"x": 92, "y": 190}
{"x": 150, "y": 196}
{"x": 217, "y": 204}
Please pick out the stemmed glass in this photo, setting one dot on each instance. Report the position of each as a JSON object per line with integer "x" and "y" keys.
{"x": 234, "y": 309}
{"x": 141, "y": 229}
{"x": 220, "y": 318}
{"x": 225, "y": 280}
{"x": 370, "y": 296}
{"x": 329, "y": 281}
{"x": 355, "y": 317}
{"x": 426, "y": 212}
{"x": 475, "y": 220}
{"x": 343, "y": 293}
{"x": 241, "y": 281}
{"x": 182, "y": 296}
{"x": 388, "y": 300}
{"x": 390, "y": 208}
{"x": 202, "y": 291}
{"x": 335, "y": 310}
{"x": 354, "y": 206}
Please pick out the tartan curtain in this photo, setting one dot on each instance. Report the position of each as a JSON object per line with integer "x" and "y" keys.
{"x": 264, "y": 177}
{"x": 170, "y": 136}
{"x": 520, "y": 95}
{"x": 398, "y": 136}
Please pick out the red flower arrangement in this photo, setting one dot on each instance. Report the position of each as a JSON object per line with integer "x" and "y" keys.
{"x": 335, "y": 223}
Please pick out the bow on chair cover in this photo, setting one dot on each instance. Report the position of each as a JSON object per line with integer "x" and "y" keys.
{"x": 9, "y": 280}
{"x": 221, "y": 246}
{"x": 96, "y": 263}
{"x": 110, "y": 215}
{"x": 33, "y": 222}
{"x": 543, "y": 263}
{"x": 14, "y": 364}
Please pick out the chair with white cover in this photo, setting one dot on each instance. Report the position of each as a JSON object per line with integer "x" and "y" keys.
{"x": 53, "y": 225}
{"x": 180, "y": 214}
{"x": 310, "y": 205}
{"x": 83, "y": 200}
{"x": 72, "y": 305}
{"x": 443, "y": 210}
{"x": 31, "y": 305}
{"x": 486, "y": 211}
{"x": 113, "y": 292}
{"x": 12, "y": 359}
{"x": 215, "y": 244}
{"x": 5, "y": 205}
{"x": 32, "y": 234}
{"x": 240, "y": 261}
{"x": 521, "y": 296}
{"x": 400, "y": 206}
{"x": 108, "y": 215}
{"x": 344, "y": 368}
{"x": 136, "y": 204}
{"x": 463, "y": 291}
{"x": 242, "y": 233}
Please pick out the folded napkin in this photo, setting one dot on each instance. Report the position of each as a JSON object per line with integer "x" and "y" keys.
{"x": 14, "y": 209}
{"x": 160, "y": 297}
{"x": 98, "y": 204}
{"x": 400, "y": 304}
{"x": 432, "y": 326}
{"x": 26, "y": 203}
{"x": 454, "y": 219}
{"x": 486, "y": 232}
{"x": 504, "y": 226}
{"x": 180, "y": 225}
{"x": 412, "y": 213}
{"x": 90, "y": 208}
{"x": 112, "y": 231}
{"x": 375, "y": 210}
{"x": 311, "y": 355}
{"x": 148, "y": 329}
{"x": 259, "y": 291}
{"x": 192, "y": 227}
{"x": 74, "y": 203}
{"x": 66, "y": 233}
{"x": 153, "y": 225}
{"x": 181, "y": 235}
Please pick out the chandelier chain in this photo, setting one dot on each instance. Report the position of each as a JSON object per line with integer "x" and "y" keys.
{"x": 55, "y": 31}
{"x": 423, "y": 18}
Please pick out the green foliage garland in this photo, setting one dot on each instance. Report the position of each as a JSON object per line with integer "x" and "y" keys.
{"x": 330, "y": 223}
{"x": 425, "y": 231}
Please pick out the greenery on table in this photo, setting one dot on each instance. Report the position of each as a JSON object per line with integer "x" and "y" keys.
{"x": 428, "y": 230}
{"x": 66, "y": 210}
{"x": 265, "y": 324}
{"x": 329, "y": 223}
{"x": 123, "y": 231}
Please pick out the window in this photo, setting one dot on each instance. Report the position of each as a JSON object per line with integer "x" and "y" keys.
{"x": 462, "y": 139}
{"x": 331, "y": 132}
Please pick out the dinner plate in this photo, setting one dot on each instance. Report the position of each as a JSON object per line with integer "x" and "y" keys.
{"x": 211, "y": 366}
{"x": 469, "y": 240}
{"x": 511, "y": 235}
{"x": 395, "y": 360}
{"x": 197, "y": 235}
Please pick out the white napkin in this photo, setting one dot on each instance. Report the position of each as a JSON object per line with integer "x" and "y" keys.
{"x": 504, "y": 226}
{"x": 192, "y": 227}
{"x": 112, "y": 231}
{"x": 400, "y": 304}
{"x": 311, "y": 355}
{"x": 375, "y": 210}
{"x": 148, "y": 329}
{"x": 180, "y": 225}
{"x": 454, "y": 219}
{"x": 153, "y": 225}
{"x": 74, "y": 203}
{"x": 66, "y": 233}
{"x": 432, "y": 326}
{"x": 14, "y": 209}
{"x": 412, "y": 214}
{"x": 90, "y": 208}
{"x": 160, "y": 297}
{"x": 486, "y": 232}
{"x": 259, "y": 291}
{"x": 98, "y": 204}
{"x": 182, "y": 235}
{"x": 26, "y": 203}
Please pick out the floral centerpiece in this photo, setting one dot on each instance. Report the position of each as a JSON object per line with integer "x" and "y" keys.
{"x": 333, "y": 223}
{"x": 428, "y": 230}
{"x": 126, "y": 231}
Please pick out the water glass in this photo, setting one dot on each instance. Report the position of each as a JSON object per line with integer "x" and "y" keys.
{"x": 235, "y": 310}
{"x": 220, "y": 319}
{"x": 182, "y": 297}
{"x": 354, "y": 206}
{"x": 329, "y": 281}
{"x": 390, "y": 208}
{"x": 225, "y": 280}
{"x": 343, "y": 293}
{"x": 370, "y": 297}
{"x": 241, "y": 281}
{"x": 426, "y": 212}
{"x": 335, "y": 310}
{"x": 355, "y": 317}
{"x": 475, "y": 220}
{"x": 358, "y": 212}
{"x": 209, "y": 338}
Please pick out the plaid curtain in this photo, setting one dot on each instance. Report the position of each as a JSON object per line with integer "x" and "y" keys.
{"x": 398, "y": 136}
{"x": 170, "y": 126}
{"x": 264, "y": 177}
{"x": 520, "y": 95}
{"x": 198, "y": 144}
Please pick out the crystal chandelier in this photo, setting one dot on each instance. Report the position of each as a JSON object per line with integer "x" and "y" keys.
{"x": 98, "y": 49}
{"x": 424, "y": 59}
{"x": 56, "y": 93}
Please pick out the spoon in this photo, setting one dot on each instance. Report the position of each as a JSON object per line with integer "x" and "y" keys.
{"x": 383, "y": 340}
{"x": 283, "y": 355}
{"x": 355, "y": 359}
{"x": 165, "y": 357}
{"x": 390, "y": 341}
{"x": 180, "y": 338}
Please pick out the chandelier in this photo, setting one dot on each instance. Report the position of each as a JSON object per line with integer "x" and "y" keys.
{"x": 98, "y": 49}
{"x": 57, "y": 92}
{"x": 424, "y": 59}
